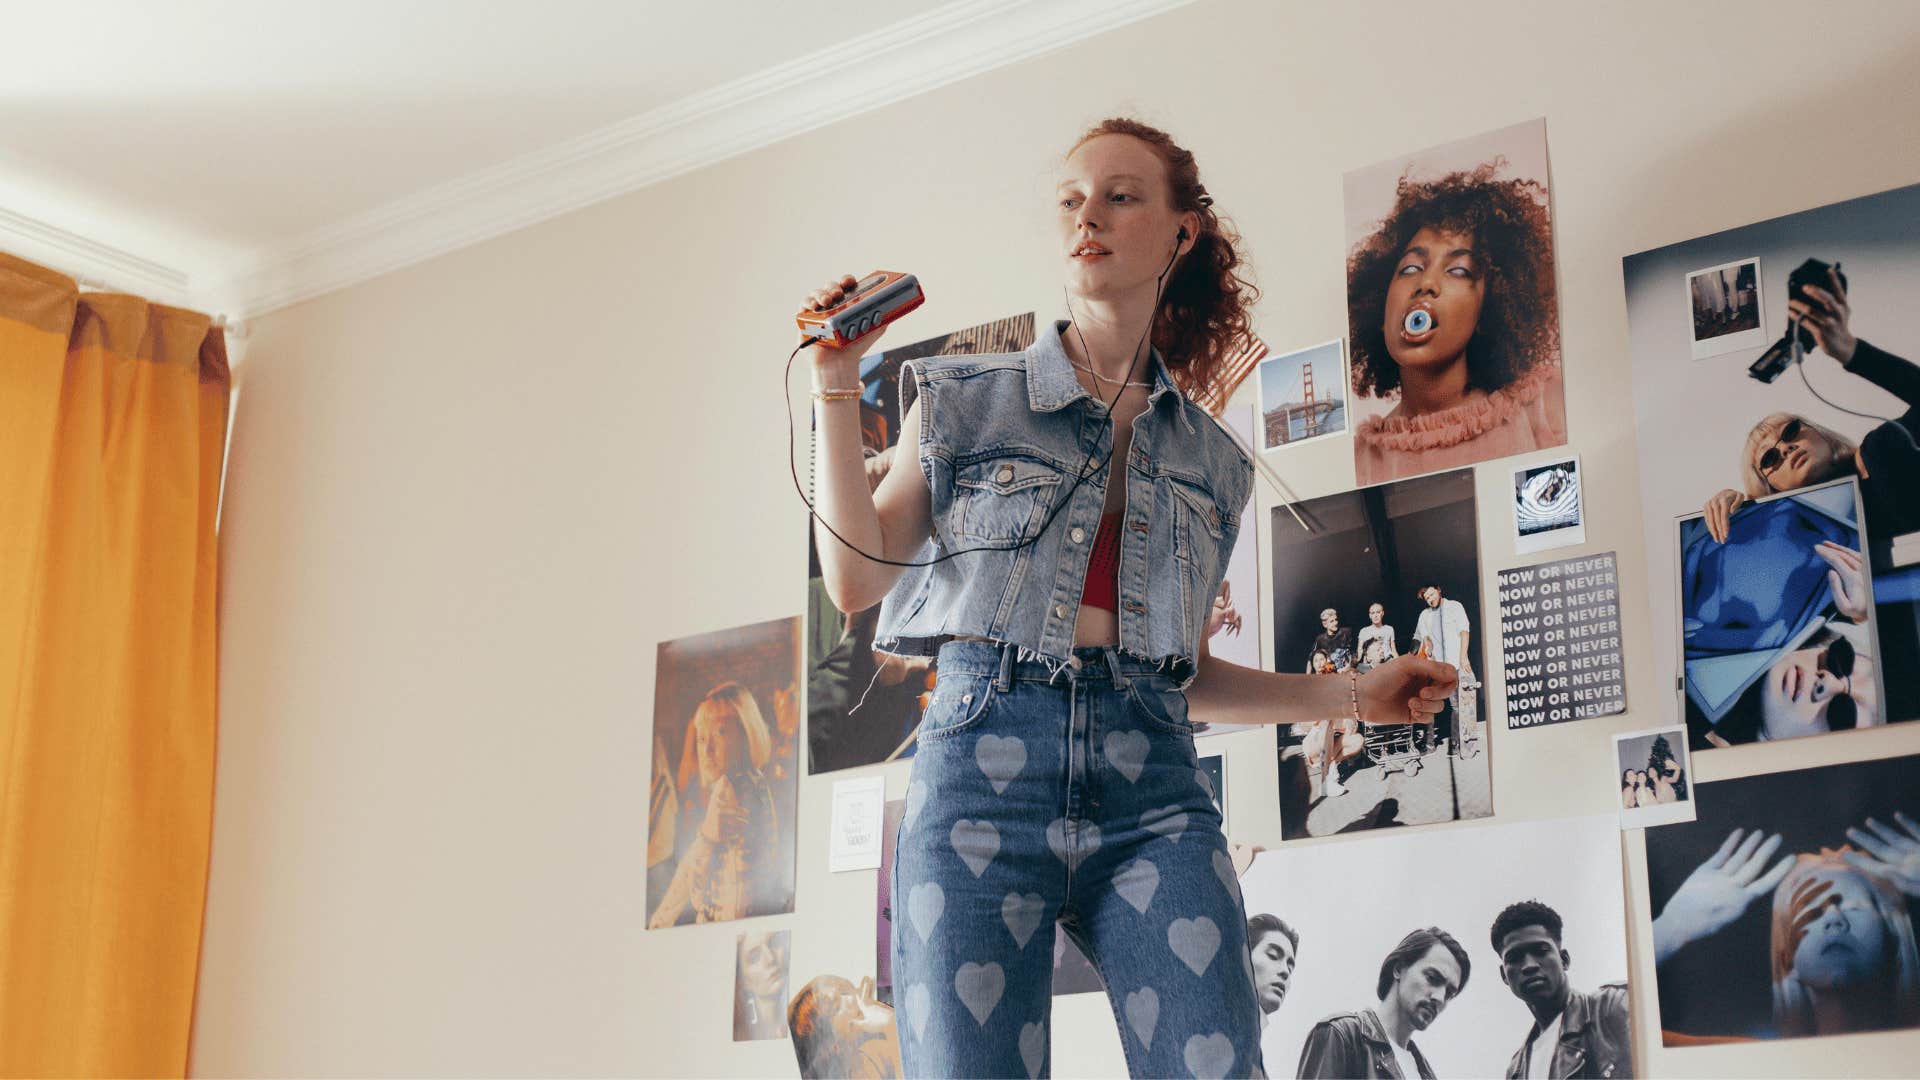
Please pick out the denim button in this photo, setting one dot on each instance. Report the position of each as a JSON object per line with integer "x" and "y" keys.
{"x": 1059, "y": 611}
{"x": 1079, "y": 534}
{"x": 1006, "y": 474}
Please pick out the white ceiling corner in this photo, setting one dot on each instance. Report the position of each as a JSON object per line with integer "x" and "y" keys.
{"x": 952, "y": 42}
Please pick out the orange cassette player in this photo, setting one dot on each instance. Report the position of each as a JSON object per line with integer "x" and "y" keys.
{"x": 876, "y": 300}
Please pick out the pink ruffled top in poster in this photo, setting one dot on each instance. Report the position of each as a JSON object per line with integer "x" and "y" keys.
{"x": 1525, "y": 415}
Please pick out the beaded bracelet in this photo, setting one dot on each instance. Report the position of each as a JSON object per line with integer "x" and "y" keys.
{"x": 1355, "y": 687}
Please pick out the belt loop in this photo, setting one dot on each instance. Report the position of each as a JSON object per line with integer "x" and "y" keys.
{"x": 1004, "y": 682}
{"x": 1113, "y": 667}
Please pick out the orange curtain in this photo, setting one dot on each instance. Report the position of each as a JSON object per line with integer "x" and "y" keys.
{"x": 113, "y": 418}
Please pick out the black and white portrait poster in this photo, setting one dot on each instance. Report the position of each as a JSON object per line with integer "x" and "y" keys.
{"x": 862, "y": 705}
{"x": 1546, "y": 506}
{"x": 1784, "y": 411}
{"x": 1385, "y": 570}
{"x": 1560, "y": 641}
{"x": 1549, "y": 891}
{"x": 720, "y": 820}
{"x": 1785, "y": 910}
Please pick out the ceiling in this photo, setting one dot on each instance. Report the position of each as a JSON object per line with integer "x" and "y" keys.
{"x": 246, "y": 155}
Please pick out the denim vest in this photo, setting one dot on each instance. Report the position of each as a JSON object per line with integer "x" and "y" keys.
{"x": 1002, "y": 438}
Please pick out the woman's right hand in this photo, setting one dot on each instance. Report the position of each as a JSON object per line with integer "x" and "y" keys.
{"x": 1847, "y": 579}
{"x": 825, "y": 354}
{"x": 1720, "y": 510}
{"x": 1718, "y": 891}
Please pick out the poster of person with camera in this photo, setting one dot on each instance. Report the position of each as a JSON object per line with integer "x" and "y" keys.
{"x": 1828, "y": 390}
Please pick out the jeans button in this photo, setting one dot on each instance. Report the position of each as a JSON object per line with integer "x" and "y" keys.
{"x": 1078, "y": 534}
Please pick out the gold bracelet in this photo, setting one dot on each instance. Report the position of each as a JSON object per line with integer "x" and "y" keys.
{"x": 836, "y": 395}
{"x": 1356, "y": 694}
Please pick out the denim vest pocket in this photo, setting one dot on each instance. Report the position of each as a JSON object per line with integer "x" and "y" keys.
{"x": 959, "y": 704}
{"x": 1196, "y": 548}
{"x": 1001, "y": 500}
{"x": 1160, "y": 704}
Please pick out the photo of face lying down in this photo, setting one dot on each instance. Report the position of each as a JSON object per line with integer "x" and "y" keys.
{"x": 1777, "y": 621}
{"x": 1798, "y": 922}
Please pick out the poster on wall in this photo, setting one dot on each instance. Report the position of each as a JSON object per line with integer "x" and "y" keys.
{"x": 1453, "y": 326}
{"x": 725, "y": 716}
{"x": 760, "y": 984}
{"x": 862, "y": 705}
{"x": 1459, "y": 944}
{"x": 1384, "y": 570}
{"x": 1560, "y": 641}
{"x": 1656, "y": 777}
{"x": 1303, "y": 395}
{"x": 1726, "y": 303}
{"x": 1718, "y": 432}
{"x": 1777, "y": 621}
{"x": 841, "y": 1029}
{"x": 1237, "y": 638}
{"x": 1785, "y": 910}
{"x": 1546, "y": 506}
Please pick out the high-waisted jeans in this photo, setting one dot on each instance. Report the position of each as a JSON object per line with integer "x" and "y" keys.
{"x": 1069, "y": 795}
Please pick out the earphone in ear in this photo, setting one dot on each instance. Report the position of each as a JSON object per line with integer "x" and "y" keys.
{"x": 1182, "y": 237}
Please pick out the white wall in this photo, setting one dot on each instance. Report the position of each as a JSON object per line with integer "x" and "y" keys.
{"x": 468, "y": 499}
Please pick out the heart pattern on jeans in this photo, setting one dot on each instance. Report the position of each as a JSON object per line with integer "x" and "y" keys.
{"x": 1195, "y": 941}
{"x": 976, "y": 842}
{"x": 1168, "y": 821}
{"x": 1001, "y": 757}
{"x": 1127, "y": 750}
{"x": 1033, "y": 1048}
{"x": 980, "y": 987}
{"x": 916, "y": 1003}
{"x": 1223, "y": 869}
{"x": 926, "y": 902}
{"x": 1136, "y": 883}
{"x": 1209, "y": 1056}
{"x": 1021, "y": 912}
{"x": 1143, "y": 1014}
{"x": 1086, "y": 841}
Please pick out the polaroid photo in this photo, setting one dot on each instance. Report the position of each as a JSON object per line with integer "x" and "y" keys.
{"x": 1655, "y": 776}
{"x": 1547, "y": 511}
{"x": 760, "y": 984}
{"x": 1303, "y": 395}
{"x": 1727, "y": 315}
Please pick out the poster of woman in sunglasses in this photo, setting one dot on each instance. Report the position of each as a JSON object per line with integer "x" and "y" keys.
{"x": 1776, "y": 613}
{"x": 1824, "y": 393}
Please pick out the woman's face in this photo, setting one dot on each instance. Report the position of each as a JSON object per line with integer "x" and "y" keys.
{"x": 1843, "y": 941}
{"x": 1800, "y": 691}
{"x": 1438, "y": 273}
{"x": 718, "y": 743}
{"x": 1115, "y": 218}
{"x": 1792, "y": 453}
{"x": 763, "y": 964}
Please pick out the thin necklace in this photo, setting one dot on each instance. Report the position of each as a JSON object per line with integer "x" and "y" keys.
{"x": 1103, "y": 378}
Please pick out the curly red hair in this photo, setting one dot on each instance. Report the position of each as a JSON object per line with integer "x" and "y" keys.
{"x": 1204, "y": 311}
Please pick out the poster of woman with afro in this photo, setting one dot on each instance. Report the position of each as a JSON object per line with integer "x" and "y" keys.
{"x": 1451, "y": 306}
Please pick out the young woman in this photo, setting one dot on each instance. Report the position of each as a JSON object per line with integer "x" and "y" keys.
{"x": 727, "y": 868}
{"x": 1070, "y": 512}
{"x": 1630, "y": 789}
{"x": 1477, "y": 371}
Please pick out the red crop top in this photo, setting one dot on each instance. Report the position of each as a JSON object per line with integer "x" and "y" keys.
{"x": 1103, "y": 566}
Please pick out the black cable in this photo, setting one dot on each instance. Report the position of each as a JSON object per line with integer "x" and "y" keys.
{"x": 1800, "y": 357}
{"x": 1081, "y": 476}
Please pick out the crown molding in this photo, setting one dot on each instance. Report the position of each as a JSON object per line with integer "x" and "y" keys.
{"x": 952, "y": 43}
{"x": 94, "y": 265}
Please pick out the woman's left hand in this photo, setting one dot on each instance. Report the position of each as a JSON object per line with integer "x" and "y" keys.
{"x": 1848, "y": 579}
{"x": 1224, "y": 615}
{"x": 1406, "y": 690}
{"x": 1893, "y": 856}
{"x": 1827, "y": 318}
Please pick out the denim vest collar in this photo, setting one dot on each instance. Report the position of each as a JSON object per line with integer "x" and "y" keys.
{"x": 1052, "y": 384}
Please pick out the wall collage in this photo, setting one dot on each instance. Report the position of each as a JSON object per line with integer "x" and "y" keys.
{"x": 1780, "y": 489}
